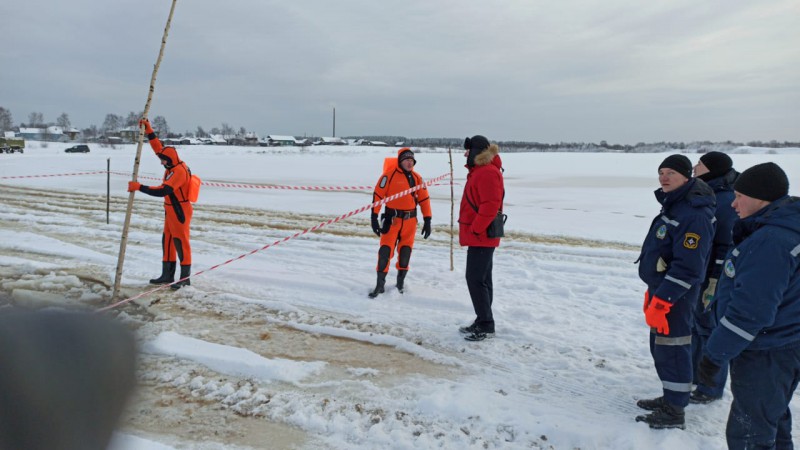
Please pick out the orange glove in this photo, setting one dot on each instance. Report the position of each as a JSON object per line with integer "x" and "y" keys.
{"x": 134, "y": 186}
{"x": 146, "y": 124}
{"x": 656, "y": 315}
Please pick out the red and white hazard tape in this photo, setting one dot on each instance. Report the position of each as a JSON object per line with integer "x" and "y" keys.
{"x": 287, "y": 238}
{"x": 213, "y": 183}
{"x": 55, "y": 175}
{"x": 268, "y": 186}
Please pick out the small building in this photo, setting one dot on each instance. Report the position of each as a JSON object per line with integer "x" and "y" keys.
{"x": 51, "y": 134}
{"x": 330, "y": 141}
{"x": 274, "y": 140}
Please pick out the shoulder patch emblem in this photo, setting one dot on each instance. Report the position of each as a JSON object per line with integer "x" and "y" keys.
{"x": 169, "y": 175}
{"x": 384, "y": 179}
{"x": 730, "y": 269}
{"x": 691, "y": 240}
{"x": 661, "y": 232}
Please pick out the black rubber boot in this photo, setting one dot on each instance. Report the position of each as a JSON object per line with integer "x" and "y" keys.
{"x": 167, "y": 273}
{"x": 401, "y": 276}
{"x": 185, "y": 272}
{"x": 379, "y": 286}
{"x": 669, "y": 416}
{"x": 651, "y": 404}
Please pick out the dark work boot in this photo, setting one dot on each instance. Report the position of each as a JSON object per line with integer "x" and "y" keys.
{"x": 651, "y": 404}
{"x": 379, "y": 286}
{"x": 401, "y": 277}
{"x": 185, "y": 272}
{"x": 669, "y": 416}
{"x": 167, "y": 273}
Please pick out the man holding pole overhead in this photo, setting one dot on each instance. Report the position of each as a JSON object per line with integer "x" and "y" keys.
{"x": 177, "y": 208}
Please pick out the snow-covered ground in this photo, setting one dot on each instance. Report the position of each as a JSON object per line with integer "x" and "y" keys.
{"x": 283, "y": 349}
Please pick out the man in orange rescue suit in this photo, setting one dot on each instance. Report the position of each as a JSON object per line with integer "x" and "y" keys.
{"x": 177, "y": 208}
{"x": 399, "y": 217}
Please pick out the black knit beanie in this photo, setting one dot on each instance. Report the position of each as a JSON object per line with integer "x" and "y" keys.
{"x": 765, "y": 181}
{"x": 407, "y": 154}
{"x": 678, "y": 163}
{"x": 475, "y": 145}
{"x": 717, "y": 163}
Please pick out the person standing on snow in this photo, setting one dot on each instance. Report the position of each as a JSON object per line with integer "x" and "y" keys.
{"x": 758, "y": 302}
{"x": 399, "y": 217}
{"x": 673, "y": 264}
{"x": 178, "y": 210}
{"x": 482, "y": 199}
{"x": 716, "y": 169}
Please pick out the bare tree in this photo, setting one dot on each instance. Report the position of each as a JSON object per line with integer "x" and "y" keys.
{"x": 160, "y": 125}
{"x": 111, "y": 124}
{"x": 6, "y": 123}
{"x": 227, "y": 131}
{"x": 90, "y": 132}
{"x": 36, "y": 119}
{"x": 133, "y": 119}
{"x": 63, "y": 121}
{"x": 201, "y": 132}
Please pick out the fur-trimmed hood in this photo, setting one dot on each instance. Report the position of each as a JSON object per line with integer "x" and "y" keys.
{"x": 487, "y": 155}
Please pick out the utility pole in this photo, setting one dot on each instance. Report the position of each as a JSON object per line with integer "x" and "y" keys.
{"x": 334, "y": 122}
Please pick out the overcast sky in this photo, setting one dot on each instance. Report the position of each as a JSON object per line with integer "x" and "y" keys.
{"x": 548, "y": 71}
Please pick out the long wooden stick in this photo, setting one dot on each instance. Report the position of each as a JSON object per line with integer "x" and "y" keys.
{"x": 124, "y": 241}
{"x": 452, "y": 206}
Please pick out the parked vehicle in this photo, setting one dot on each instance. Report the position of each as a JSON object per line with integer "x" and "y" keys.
{"x": 11, "y": 145}
{"x": 82, "y": 148}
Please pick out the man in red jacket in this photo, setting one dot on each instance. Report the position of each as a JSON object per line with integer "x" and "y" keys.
{"x": 482, "y": 199}
{"x": 399, "y": 218}
{"x": 177, "y": 208}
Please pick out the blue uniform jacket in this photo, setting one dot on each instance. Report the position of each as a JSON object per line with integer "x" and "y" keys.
{"x": 675, "y": 251}
{"x": 758, "y": 293}
{"x": 723, "y": 227}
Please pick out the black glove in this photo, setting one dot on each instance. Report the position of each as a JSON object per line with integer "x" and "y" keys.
{"x": 375, "y": 225}
{"x": 706, "y": 372}
{"x": 426, "y": 228}
{"x": 387, "y": 220}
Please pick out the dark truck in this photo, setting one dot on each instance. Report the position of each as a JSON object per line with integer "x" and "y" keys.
{"x": 11, "y": 145}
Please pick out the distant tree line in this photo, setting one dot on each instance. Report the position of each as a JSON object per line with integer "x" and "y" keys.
{"x": 113, "y": 123}
{"x": 602, "y": 146}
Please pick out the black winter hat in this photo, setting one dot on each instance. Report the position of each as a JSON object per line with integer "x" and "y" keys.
{"x": 406, "y": 154}
{"x": 765, "y": 181}
{"x": 476, "y": 144}
{"x": 678, "y": 163}
{"x": 717, "y": 163}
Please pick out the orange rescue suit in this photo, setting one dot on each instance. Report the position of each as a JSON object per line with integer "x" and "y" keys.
{"x": 400, "y": 235}
{"x": 177, "y": 208}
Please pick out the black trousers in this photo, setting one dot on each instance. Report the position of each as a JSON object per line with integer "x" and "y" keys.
{"x": 479, "y": 283}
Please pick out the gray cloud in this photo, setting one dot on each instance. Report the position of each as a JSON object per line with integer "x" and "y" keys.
{"x": 574, "y": 70}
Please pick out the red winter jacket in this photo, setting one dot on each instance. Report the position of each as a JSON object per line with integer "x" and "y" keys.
{"x": 485, "y": 189}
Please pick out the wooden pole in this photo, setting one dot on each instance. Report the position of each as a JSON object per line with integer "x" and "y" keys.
{"x": 124, "y": 241}
{"x": 452, "y": 208}
{"x": 108, "y": 191}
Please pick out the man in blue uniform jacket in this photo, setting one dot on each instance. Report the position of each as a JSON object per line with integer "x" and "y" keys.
{"x": 758, "y": 302}
{"x": 673, "y": 265}
{"x": 716, "y": 169}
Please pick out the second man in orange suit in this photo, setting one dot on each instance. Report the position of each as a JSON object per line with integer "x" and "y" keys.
{"x": 399, "y": 218}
